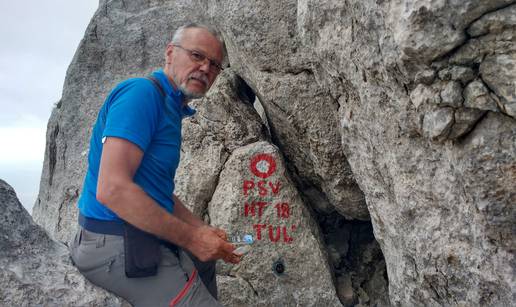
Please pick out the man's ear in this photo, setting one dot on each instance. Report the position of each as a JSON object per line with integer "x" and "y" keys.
{"x": 168, "y": 53}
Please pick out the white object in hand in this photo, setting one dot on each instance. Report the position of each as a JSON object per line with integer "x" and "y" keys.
{"x": 242, "y": 250}
{"x": 243, "y": 243}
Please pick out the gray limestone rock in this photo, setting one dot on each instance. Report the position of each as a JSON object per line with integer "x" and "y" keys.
{"x": 457, "y": 73}
{"x": 494, "y": 23}
{"x": 437, "y": 124}
{"x": 413, "y": 187}
{"x": 451, "y": 94}
{"x": 465, "y": 119}
{"x": 36, "y": 270}
{"x": 224, "y": 121}
{"x": 425, "y": 30}
{"x": 234, "y": 291}
{"x": 510, "y": 109}
{"x": 498, "y": 42}
{"x": 426, "y": 76}
{"x": 303, "y": 116}
{"x": 423, "y": 95}
{"x": 498, "y": 73}
{"x": 477, "y": 96}
{"x": 345, "y": 291}
{"x": 255, "y": 195}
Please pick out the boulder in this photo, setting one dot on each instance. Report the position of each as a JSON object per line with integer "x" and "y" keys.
{"x": 224, "y": 121}
{"x": 256, "y": 196}
{"x": 36, "y": 270}
{"x": 423, "y": 196}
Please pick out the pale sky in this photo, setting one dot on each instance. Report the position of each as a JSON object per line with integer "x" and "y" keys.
{"x": 37, "y": 42}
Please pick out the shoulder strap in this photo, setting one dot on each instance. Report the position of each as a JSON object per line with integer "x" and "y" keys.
{"x": 156, "y": 85}
{"x": 160, "y": 89}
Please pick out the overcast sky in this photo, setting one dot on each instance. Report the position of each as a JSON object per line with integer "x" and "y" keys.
{"x": 37, "y": 42}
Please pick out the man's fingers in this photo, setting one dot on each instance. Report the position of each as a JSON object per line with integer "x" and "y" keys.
{"x": 216, "y": 246}
{"x": 221, "y": 233}
{"x": 233, "y": 258}
{"x": 230, "y": 256}
{"x": 228, "y": 248}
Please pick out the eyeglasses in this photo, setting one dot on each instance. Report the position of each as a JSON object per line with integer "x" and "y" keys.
{"x": 200, "y": 58}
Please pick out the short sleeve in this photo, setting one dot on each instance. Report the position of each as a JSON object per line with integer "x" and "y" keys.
{"x": 133, "y": 113}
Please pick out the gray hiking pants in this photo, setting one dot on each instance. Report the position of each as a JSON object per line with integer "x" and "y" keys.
{"x": 180, "y": 281}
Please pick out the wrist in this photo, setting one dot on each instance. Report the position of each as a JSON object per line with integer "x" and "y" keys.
{"x": 180, "y": 233}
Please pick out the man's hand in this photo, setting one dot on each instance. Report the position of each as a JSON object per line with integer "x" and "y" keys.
{"x": 233, "y": 258}
{"x": 208, "y": 243}
{"x": 220, "y": 232}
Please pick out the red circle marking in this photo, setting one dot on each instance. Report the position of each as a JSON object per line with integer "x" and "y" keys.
{"x": 263, "y": 157}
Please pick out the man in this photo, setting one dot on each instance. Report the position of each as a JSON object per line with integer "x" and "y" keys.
{"x": 134, "y": 154}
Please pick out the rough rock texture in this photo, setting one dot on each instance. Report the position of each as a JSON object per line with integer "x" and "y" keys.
{"x": 398, "y": 112}
{"x": 424, "y": 197}
{"x": 286, "y": 231}
{"x": 265, "y": 50}
{"x": 36, "y": 270}
{"x": 225, "y": 120}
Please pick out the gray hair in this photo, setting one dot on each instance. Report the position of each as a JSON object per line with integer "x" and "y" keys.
{"x": 178, "y": 34}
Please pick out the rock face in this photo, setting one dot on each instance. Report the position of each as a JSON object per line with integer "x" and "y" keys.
{"x": 425, "y": 192}
{"x": 387, "y": 118}
{"x": 36, "y": 270}
{"x": 225, "y": 120}
{"x": 255, "y": 195}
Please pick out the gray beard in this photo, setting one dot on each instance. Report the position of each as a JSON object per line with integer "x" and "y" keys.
{"x": 189, "y": 95}
{"x": 186, "y": 93}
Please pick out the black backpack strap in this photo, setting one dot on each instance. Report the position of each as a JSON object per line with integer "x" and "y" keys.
{"x": 157, "y": 85}
{"x": 160, "y": 89}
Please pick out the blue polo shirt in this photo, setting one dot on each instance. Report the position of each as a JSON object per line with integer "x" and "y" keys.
{"x": 136, "y": 111}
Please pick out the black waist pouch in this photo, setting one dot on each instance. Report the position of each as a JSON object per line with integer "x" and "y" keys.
{"x": 142, "y": 252}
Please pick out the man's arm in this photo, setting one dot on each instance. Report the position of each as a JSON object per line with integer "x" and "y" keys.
{"x": 117, "y": 190}
{"x": 184, "y": 214}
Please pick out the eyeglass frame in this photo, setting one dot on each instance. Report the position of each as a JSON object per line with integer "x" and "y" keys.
{"x": 194, "y": 53}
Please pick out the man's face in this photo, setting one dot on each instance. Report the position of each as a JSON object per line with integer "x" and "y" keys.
{"x": 192, "y": 77}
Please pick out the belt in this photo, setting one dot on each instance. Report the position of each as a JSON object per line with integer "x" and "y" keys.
{"x": 101, "y": 226}
{"x": 112, "y": 228}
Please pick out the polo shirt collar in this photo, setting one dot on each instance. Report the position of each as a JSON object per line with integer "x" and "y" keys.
{"x": 176, "y": 95}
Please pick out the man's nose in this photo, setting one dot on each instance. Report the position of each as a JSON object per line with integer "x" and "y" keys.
{"x": 205, "y": 66}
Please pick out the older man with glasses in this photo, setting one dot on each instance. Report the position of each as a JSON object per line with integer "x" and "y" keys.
{"x": 136, "y": 238}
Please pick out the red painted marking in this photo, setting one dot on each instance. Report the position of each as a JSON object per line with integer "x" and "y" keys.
{"x": 249, "y": 209}
{"x": 283, "y": 210}
{"x": 272, "y": 237}
{"x": 275, "y": 188}
{"x": 262, "y": 188}
{"x": 248, "y": 185}
{"x": 286, "y": 237}
{"x": 275, "y": 232}
{"x": 258, "y": 230}
{"x": 261, "y": 205}
{"x": 263, "y": 157}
